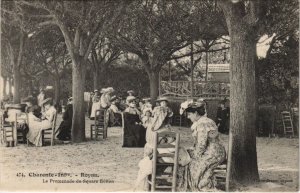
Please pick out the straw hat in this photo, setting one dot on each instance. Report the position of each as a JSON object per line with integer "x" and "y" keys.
{"x": 130, "y": 99}
{"x": 130, "y": 91}
{"x": 110, "y": 89}
{"x": 113, "y": 98}
{"x": 147, "y": 99}
{"x": 162, "y": 99}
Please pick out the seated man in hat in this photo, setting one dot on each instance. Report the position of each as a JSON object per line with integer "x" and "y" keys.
{"x": 64, "y": 129}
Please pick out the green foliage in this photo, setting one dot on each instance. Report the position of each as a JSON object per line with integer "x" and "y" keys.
{"x": 278, "y": 74}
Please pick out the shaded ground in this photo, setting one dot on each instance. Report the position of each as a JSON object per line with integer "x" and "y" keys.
{"x": 116, "y": 167}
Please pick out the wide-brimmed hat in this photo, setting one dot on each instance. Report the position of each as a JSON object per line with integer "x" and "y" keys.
{"x": 162, "y": 99}
{"x": 47, "y": 100}
{"x": 96, "y": 90}
{"x": 110, "y": 89}
{"x": 130, "y": 91}
{"x": 130, "y": 99}
{"x": 147, "y": 99}
{"x": 189, "y": 105}
{"x": 70, "y": 98}
{"x": 103, "y": 90}
{"x": 113, "y": 98}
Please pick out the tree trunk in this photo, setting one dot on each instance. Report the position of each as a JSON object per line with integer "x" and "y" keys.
{"x": 242, "y": 159}
{"x": 17, "y": 82}
{"x": 96, "y": 77}
{"x": 57, "y": 91}
{"x": 30, "y": 87}
{"x": 4, "y": 87}
{"x": 10, "y": 84}
{"x": 78, "y": 83}
{"x": 154, "y": 84}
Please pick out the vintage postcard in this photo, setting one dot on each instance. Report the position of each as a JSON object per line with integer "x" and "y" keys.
{"x": 149, "y": 95}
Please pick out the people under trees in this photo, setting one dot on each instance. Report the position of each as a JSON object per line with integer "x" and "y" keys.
{"x": 206, "y": 154}
{"x": 96, "y": 104}
{"x": 130, "y": 94}
{"x": 114, "y": 112}
{"x": 37, "y": 125}
{"x": 160, "y": 122}
{"x": 134, "y": 132}
{"x": 105, "y": 97}
{"x": 222, "y": 120}
{"x": 64, "y": 129}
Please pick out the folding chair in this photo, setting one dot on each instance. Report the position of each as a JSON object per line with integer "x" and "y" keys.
{"x": 165, "y": 156}
{"x": 100, "y": 125}
{"x": 49, "y": 134}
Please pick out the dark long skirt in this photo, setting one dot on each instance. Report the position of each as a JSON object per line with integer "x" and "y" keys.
{"x": 134, "y": 133}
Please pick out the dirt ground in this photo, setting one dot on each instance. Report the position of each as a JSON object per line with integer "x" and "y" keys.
{"x": 104, "y": 165}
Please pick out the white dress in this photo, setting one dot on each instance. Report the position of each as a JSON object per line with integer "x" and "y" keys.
{"x": 96, "y": 106}
{"x": 36, "y": 126}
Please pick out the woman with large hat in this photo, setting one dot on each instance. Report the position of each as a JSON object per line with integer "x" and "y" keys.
{"x": 134, "y": 132}
{"x": 161, "y": 122}
{"x": 206, "y": 154}
{"x": 106, "y": 96}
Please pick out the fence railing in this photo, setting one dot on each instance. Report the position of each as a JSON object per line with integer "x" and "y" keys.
{"x": 200, "y": 89}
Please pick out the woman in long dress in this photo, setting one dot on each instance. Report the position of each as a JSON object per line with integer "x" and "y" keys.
{"x": 96, "y": 104}
{"x": 36, "y": 125}
{"x": 134, "y": 132}
{"x": 160, "y": 122}
{"x": 206, "y": 154}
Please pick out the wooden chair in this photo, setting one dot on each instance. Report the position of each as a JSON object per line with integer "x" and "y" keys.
{"x": 100, "y": 125}
{"x": 220, "y": 175}
{"x": 49, "y": 134}
{"x": 159, "y": 174}
{"x": 19, "y": 134}
{"x": 8, "y": 133}
{"x": 123, "y": 125}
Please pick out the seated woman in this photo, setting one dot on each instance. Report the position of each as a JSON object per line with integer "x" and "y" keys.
{"x": 114, "y": 112}
{"x": 36, "y": 125}
{"x": 206, "y": 154}
{"x": 160, "y": 122}
{"x": 134, "y": 132}
{"x": 64, "y": 128}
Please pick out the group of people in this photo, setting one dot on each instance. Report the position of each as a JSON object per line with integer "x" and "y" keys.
{"x": 196, "y": 164}
{"x": 41, "y": 114}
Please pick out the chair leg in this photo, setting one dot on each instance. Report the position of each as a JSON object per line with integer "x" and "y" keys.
{"x": 52, "y": 139}
{"x": 43, "y": 137}
{"x": 91, "y": 131}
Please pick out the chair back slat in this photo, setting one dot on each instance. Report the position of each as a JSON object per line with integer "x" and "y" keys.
{"x": 165, "y": 154}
